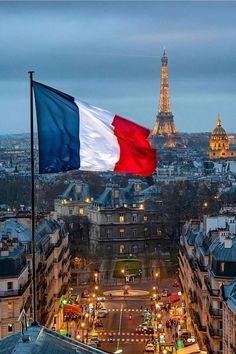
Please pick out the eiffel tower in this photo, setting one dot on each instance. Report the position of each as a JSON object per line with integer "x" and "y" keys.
{"x": 164, "y": 133}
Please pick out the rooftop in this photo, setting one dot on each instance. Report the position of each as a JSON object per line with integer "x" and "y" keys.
{"x": 42, "y": 340}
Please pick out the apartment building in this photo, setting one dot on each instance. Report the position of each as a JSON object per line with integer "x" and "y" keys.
{"x": 52, "y": 271}
{"x": 207, "y": 260}
{"x": 229, "y": 318}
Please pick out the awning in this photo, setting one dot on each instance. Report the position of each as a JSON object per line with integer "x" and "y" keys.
{"x": 189, "y": 350}
{"x": 174, "y": 298}
{"x": 72, "y": 309}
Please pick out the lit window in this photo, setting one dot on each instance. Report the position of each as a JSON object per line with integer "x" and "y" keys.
{"x": 134, "y": 233}
{"x": 141, "y": 206}
{"x": 10, "y": 305}
{"x": 159, "y": 232}
{"x": 10, "y": 327}
{"x": 134, "y": 205}
{"x": 145, "y": 218}
{"x": 137, "y": 187}
{"x": 122, "y": 218}
{"x": 81, "y": 211}
{"x": 122, "y": 249}
{"x": 222, "y": 267}
{"x": 122, "y": 232}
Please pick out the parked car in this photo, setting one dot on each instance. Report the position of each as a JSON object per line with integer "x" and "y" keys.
{"x": 101, "y": 298}
{"x": 165, "y": 293}
{"x": 95, "y": 340}
{"x": 101, "y": 314}
{"x": 150, "y": 330}
{"x": 98, "y": 324}
{"x": 139, "y": 329}
{"x": 175, "y": 284}
{"x": 103, "y": 309}
{"x": 150, "y": 348}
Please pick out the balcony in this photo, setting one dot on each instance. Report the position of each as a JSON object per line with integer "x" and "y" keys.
{"x": 215, "y": 312}
{"x": 196, "y": 319}
{"x": 216, "y": 333}
{"x": 18, "y": 292}
{"x": 201, "y": 267}
{"x": 212, "y": 292}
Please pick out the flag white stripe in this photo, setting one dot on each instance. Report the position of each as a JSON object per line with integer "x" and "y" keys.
{"x": 99, "y": 147}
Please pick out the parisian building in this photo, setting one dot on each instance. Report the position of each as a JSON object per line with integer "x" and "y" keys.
{"x": 229, "y": 318}
{"x": 206, "y": 262}
{"x": 124, "y": 221}
{"x": 52, "y": 272}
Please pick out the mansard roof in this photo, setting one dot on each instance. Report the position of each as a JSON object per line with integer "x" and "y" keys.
{"x": 223, "y": 254}
{"x": 229, "y": 295}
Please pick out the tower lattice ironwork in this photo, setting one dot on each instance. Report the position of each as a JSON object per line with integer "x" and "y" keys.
{"x": 164, "y": 125}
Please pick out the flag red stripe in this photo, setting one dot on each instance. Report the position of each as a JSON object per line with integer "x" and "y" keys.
{"x": 136, "y": 154}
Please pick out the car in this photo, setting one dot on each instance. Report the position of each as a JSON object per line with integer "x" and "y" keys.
{"x": 101, "y": 298}
{"x": 165, "y": 293}
{"x": 101, "y": 314}
{"x": 98, "y": 324}
{"x": 150, "y": 348}
{"x": 149, "y": 330}
{"x": 175, "y": 284}
{"x": 103, "y": 309}
{"x": 145, "y": 326}
{"x": 146, "y": 313}
{"x": 139, "y": 329}
{"x": 95, "y": 340}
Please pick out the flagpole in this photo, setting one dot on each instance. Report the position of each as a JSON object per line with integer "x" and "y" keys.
{"x": 32, "y": 200}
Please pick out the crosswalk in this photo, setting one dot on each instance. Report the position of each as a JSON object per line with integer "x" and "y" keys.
{"x": 124, "y": 310}
{"x": 123, "y": 336}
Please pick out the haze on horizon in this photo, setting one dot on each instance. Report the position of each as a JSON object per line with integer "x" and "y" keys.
{"x": 108, "y": 54}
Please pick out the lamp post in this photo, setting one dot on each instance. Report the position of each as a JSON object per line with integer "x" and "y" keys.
{"x": 82, "y": 326}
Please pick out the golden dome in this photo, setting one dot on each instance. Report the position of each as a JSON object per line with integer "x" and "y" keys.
{"x": 219, "y": 133}
{"x": 219, "y": 138}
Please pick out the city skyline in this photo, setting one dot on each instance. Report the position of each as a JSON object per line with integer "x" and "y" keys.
{"x": 108, "y": 54}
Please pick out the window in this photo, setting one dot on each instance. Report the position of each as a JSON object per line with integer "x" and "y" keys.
{"x": 135, "y": 217}
{"x": 146, "y": 232}
{"x": 10, "y": 327}
{"x": 134, "y": 233}
{"x": 122, "y": 232}
{"x": 145, "y": 218}
{"x": 116, "y": 193}
{"x": 122, "y": 218}
{"x": 108, "y": 233}
{"x": 10, "y": 305}
{"x": 70, "y": 211}
{"x": 222, "y": 267}
{"x": 159, "y": 232}
{"x": 122, "y": 249}
{"x": 9, "y": 285}
{"x": 108, "y": 218}
{"x": 137, "y": 187}
{"x": 81, "y": 211}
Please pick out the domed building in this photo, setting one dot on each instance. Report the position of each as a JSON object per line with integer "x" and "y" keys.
{"x": 219, "y": 143}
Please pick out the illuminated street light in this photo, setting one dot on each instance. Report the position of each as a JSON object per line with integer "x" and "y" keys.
{"x": 205, "y": 204}
{"x": 122, "y": 271}
{"x": 154, "y": 288}
{"x": 86, "y": 315}
{"x": 82, "y": 324}
{"x": 93, "y": 295}
{"x": 78, "y": 336}
{"x": 96, "y": 287}
{"x": 179, "y": 293}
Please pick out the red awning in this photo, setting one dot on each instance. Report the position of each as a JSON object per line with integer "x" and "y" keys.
{"x": 72, "y": 308}
{"x": 174, "y": 298}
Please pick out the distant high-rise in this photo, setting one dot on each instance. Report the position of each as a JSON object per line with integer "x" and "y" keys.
{"x": 164, "y": 132}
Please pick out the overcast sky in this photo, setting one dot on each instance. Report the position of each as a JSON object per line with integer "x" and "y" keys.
{"x": 108, "y": 54}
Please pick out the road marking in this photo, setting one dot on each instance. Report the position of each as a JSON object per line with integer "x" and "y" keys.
{"x": 125, "y": 310}
{"x": 118, "y": 333}
{"x": 118, "y": 310}
{"x": 132, "y": 340}
{"x": 122, "y": 339}
{"x": 121, "y": 313}
{"x": 133, "y": 310}
{"x": 127, "y": 340}
{"x": 123, "y": 334}
{"x": 137, "y": 340}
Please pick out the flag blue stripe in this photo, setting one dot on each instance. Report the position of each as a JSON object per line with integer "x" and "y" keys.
{"x": 58, "y": 130}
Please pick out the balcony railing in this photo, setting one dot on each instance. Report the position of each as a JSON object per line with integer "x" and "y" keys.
{"x": 214, "y": 332}
{"x": 212, "y": 292}
{"x": 18, "y": 292}
{"x": 215, "y": 312}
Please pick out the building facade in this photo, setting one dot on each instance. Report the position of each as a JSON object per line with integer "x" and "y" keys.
{"x": 52, "y": 272}
{"x": 207, "y": 260}
{"x": 123, "y": 222}
{"x": 229, "y": 318}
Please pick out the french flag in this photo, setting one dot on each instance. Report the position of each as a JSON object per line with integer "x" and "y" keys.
{"x": 73, "y": 134}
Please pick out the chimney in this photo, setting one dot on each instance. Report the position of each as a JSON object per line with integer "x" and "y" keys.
{"x": 228, "y": 242}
